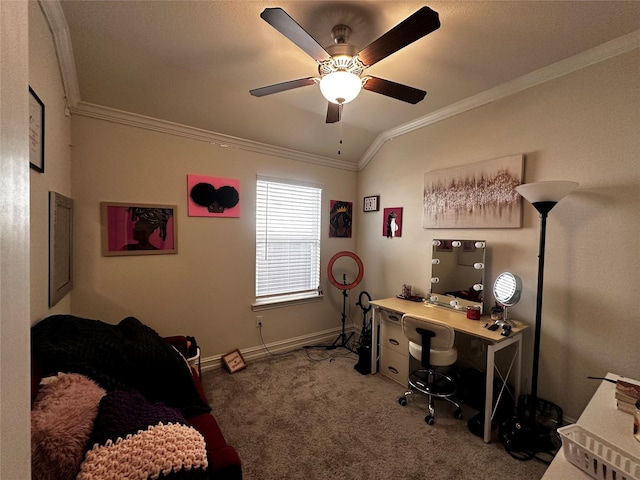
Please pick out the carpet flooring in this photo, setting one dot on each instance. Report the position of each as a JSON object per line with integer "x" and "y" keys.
{"x": 309, "y": 415}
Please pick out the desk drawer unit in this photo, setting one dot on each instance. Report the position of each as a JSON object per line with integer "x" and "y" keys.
{"x": 394, "y": 347}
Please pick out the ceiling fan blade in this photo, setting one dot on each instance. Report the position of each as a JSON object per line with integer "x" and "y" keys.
{"x": 333, "y": 113}
{"x": 281, "y": 21}
{"x": 421, "y": 23}
{"x": 281, "y": 87}
{"x": 394, "y": 90}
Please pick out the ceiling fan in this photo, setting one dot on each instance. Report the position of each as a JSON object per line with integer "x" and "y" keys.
{"x": 341, "y": 66}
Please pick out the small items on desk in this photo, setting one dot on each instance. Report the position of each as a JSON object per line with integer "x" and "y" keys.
{"x": 473, "y": 312}
{"x": 506, "y": 327}
{"x": 627, "y": 395}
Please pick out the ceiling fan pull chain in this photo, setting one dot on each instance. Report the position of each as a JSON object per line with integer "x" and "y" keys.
{"x": 340, "y": 110}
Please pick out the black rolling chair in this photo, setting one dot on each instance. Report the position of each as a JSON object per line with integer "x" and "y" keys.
{"x": 431, "y": 343}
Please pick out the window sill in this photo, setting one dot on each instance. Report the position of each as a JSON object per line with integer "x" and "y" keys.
{"x": 267, "y": 305}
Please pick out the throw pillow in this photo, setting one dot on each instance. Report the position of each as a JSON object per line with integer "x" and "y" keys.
{"x": 61, "y": 423}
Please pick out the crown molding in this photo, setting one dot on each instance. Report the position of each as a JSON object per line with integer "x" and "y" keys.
{"x": 607, "y": 50}
{"x": 224, "y": 141}
{"x": 52, "y": 10}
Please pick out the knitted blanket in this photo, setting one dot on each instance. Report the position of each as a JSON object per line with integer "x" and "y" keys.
{"x": 129, "y": 356}
{"x": 137, "y": 440}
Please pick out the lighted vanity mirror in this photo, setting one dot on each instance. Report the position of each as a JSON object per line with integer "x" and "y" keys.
{"x": 506, "y": 290}
{"x": 457, "y": 273}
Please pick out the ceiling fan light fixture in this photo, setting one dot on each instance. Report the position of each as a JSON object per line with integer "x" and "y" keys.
{"x": 340, "y": 87}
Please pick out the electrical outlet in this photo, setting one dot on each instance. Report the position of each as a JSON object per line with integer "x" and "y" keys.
{"x": 258, "y": 321}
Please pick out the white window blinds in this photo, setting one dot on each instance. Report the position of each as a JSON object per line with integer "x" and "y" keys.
{"x": 287, "y": 240}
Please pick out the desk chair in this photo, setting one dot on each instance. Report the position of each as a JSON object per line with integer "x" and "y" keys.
{"x": 431, "y": 343}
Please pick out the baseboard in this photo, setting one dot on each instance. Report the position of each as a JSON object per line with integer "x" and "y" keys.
{"x": 282, "y": 346}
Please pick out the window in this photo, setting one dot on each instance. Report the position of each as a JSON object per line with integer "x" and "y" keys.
{"x": 287, "y": 240}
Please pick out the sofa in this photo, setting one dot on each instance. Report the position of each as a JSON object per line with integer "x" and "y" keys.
{"x": 108, "y": 400}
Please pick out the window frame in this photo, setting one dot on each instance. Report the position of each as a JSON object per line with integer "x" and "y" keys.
{"x": 276, "y": 299}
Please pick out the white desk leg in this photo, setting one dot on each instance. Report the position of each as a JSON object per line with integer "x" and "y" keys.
{"x": 491, "y": 362}
{"x": 374, "y": 341}
{"x": 488, "y": 399}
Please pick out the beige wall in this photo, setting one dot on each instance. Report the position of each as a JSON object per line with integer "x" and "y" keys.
{"x": 14, "y": 242}
{"x": 45, "y": 80}
{"x": 583, "y": 127}
{"x": 207, "y": 289}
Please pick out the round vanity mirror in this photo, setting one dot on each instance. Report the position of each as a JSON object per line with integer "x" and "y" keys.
{"x": 507, "y": 289}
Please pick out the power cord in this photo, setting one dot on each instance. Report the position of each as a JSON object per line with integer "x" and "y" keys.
{"x": 267, "y": 348}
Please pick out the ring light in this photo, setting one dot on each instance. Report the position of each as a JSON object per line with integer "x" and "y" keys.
{"x": 365, "y": 306}
{"x": 337, "y": 284}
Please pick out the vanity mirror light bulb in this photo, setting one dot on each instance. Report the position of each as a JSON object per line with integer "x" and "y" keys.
{"x": 454, "y": 303}
{"x": 477, "y": 287}
{"x": 436, "y": 243}
{"x": 435, "y": 280}
{"x": 478, "y": 265}
{"x": 479, "y": 244}
{"x": 456, "y": 243}
{"x": 435, "y": 261}
{"x": 433, "y": 298}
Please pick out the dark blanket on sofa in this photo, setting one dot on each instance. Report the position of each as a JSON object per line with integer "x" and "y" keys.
{"x": 127, "y": 356}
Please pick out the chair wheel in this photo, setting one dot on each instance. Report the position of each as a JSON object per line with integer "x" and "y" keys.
{"x": 429, "y": 419}
{"x": 457, "y": 414}
{"x": 403, "y": 401}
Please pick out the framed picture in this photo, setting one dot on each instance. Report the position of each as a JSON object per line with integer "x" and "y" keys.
{"x": 36, "y": 132}
{"x": 60, "y": 247}
{"x": 233, "y": 361}
{"x": 213, "y": 196}
{"x": 371, "y": 204}
{"x": 340, "y": 219}
{"x": 392, "y": 222}
{"x": 138, "y": 229}
{"x": 479, "y": 195}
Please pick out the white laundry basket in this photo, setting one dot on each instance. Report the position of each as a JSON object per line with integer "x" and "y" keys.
{"x": 597, "y": 457}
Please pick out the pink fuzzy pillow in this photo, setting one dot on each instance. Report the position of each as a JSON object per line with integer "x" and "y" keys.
{"x": 61, "y": 423}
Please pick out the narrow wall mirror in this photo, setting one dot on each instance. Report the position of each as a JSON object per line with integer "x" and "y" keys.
{"x": 60, "y": 247}
{"x": 457, "y": 273}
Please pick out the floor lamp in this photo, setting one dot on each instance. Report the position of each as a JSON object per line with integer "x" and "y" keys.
{"x": 543, "y": 196}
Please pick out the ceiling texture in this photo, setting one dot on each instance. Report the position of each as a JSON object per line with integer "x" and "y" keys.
{"x": 186, "y": 67}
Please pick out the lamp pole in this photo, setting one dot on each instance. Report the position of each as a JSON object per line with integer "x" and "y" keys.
{"x": 544, "y": 208}
{"x": 543, "y": 196}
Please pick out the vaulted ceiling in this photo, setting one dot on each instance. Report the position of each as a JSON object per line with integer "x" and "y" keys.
{"x": 190, "y": 64}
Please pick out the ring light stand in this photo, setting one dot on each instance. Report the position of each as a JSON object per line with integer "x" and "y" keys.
{"x": 364, "y": 343}
{"x": 343, "y": 339}
{"x": 365, "y": 334}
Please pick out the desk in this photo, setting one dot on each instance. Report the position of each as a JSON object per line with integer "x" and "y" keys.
{"x": 602, "y": 418}
{"x": 460, "y": 323}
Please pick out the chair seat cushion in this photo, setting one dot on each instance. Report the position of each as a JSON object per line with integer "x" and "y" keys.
{"x": 438, "y": 358}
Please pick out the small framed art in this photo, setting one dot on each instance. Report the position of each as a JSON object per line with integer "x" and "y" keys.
{"x": 233, "y": 361}
{"x": 340, "y": 219}
{"x": 138, "y": 229}
{"x": 392, "y": 222}
{"x": 36, "y": 132}
{"x": 371, "y": 204}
